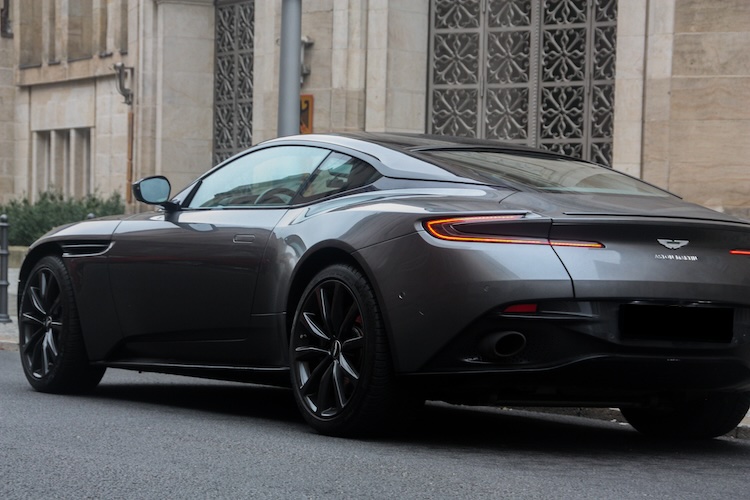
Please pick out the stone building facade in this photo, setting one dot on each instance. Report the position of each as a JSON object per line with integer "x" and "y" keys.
{"x": 657, "y": 88}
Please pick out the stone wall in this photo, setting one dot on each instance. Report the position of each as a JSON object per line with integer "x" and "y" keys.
{"x": 70, "y": 124}
{"x": 710, "y": 104}
{"x": 7, "y": 119}
{"x": 695, "y": 100}
{"x": 63, "y": 102}
{"x": 184, "y": 85}
{"x": 368, "y": 65}
{"x": 682, "y": 88}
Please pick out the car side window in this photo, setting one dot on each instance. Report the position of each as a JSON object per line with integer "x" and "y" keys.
{"x": 268, "y": 177}
{"x": 338, "y": 173}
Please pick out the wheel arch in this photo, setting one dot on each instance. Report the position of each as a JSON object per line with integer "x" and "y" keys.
{"x": 311, "y": 266}
{"x": 36, "y": 254}
{"x": 318, "y": 261}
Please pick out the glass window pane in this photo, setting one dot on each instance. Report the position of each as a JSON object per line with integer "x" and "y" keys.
{"x": 270, "y": 176}
{"x": 337, "y": 174}
{"x": 540, "y": 173}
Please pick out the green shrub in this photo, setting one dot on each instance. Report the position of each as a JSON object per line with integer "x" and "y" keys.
{"x": 28, "y": 221}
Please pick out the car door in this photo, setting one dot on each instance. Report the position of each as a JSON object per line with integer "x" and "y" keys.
{"x": 183, "y": 281}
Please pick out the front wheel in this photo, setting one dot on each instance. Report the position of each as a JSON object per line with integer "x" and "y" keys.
{"x": 52, "y": 351}
{"x": 342, "y": 375}
{"x": 708, "y": 416}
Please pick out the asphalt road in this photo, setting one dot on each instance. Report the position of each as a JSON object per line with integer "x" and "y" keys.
{"x": 159, "y": 436}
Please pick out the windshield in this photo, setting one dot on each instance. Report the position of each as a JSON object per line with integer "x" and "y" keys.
{"x": 543, "y": 173}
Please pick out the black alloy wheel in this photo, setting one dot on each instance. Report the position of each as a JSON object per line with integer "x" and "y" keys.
{"x": 50, "y": 342}
{"x": 341, "y": 371}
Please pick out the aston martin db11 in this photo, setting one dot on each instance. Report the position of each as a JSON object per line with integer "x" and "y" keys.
{"x": 372, "y": 272}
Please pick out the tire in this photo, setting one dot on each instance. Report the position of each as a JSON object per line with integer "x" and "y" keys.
{"x": 705, "y": 417}
{"x": 50, "y": 342}
{"x": 341, "y": 369}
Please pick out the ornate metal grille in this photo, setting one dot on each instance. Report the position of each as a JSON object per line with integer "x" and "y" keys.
{"x": 233, "y": 91}
{"x": 536, "y": 72}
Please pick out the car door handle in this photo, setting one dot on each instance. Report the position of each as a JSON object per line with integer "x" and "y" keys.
{"x": 243, "y": 238}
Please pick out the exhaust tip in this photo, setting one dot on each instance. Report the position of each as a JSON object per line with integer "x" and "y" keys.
{"x": 503, "y": 344}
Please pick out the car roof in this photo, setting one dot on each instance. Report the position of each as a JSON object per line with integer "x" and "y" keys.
{"x": 399, "y": 154}
{"x": 408, "y": 142}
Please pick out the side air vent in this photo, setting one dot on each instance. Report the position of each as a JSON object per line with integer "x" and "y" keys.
{"x": 85, "y": 249}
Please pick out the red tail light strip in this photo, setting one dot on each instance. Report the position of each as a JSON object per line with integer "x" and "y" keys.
{"x": 447, "y": 229}
{"x": 576, "y": 244}
{"x": 739, "y": 251}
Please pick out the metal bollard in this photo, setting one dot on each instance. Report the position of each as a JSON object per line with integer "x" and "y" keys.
{"x": 4, "y": 256}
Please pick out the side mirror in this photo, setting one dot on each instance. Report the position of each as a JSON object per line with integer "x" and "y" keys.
{"x": 154, "y": 191}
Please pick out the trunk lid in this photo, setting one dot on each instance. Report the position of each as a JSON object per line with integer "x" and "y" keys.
{"x": 655, "y": 248}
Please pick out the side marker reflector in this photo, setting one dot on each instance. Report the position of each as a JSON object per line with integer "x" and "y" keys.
{"x": 521, "y": 308}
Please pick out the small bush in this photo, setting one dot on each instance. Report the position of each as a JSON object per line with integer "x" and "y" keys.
{"x": 28, "y": 221}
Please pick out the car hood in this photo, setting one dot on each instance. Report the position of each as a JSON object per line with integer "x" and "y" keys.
{"x": 86, "y": 230}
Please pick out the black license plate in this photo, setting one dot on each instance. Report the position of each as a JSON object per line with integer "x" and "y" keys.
{"x": 676, "y": 323}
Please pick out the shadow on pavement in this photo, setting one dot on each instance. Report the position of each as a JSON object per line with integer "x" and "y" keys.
{"x": 232, "y": 399}
{"x": 494, "y": 429}
{"x": 445, "y": 428}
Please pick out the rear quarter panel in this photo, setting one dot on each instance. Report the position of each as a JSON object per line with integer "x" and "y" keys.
{"x": 429, "y": 290}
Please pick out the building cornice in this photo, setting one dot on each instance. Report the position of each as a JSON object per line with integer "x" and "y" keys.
{"x": 185, "y": 2}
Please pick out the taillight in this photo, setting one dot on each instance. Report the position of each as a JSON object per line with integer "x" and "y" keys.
{"x": 739, "y": 251}
{"x": 489, "y": 229}
{"x": 577, "y": 244}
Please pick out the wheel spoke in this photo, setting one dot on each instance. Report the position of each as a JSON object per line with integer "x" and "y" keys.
{"x": 308, "y": 386}
{"x": 45, "y": 288}
{"x": 324, "y": 393}
{"x": 36, "y": 300}
{"x": 353, "y": 344}
{"x": 51, "y": 292}
{"x": 313, "y": 328}
{"x": 32, "y": 341}
{"x": 348, "y": 320}
{"x": 347, "y": 367}
{"x": 51, "y": 344}
{"x": 338, "y": 386}
{"x": 306, "y": 353}
{"x": 56, "y": 305}
{"x": 45, "y": 359}
{"x": 323, "y": 305}
{"x": 336, "y": 313}
{"x": 27, "y": 318}
{"x": 35, "y": 363}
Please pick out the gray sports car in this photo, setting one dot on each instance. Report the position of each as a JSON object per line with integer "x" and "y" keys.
{"x": 372, "y": 272}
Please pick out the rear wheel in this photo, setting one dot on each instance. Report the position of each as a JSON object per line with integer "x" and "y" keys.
{"x": 708, "y": 416}
{"x": 342, "y": 375}
{"x": 50, "y": 342}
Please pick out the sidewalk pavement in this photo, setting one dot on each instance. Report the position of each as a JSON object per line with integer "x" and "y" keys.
{"x": 9, "y": 331}
{"x": 9, "y": 342}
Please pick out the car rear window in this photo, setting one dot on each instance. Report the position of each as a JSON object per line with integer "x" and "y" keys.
{"x": 539, "y": 172}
